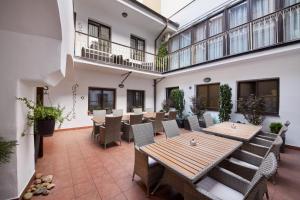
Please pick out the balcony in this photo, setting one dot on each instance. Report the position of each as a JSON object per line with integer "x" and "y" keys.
{"x": 270, "y": 31}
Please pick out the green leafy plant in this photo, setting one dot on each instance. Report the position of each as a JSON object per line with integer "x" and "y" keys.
{"x": 161, "y": 61}
{"x": 252, "y": 108}
{"x": 6, "y": 149}
{"x": 225, "y": 103}
{"x": 177, "y": 98}
{"x": 197, "y": 107}
{"x": 38, "y": 112}
{"x": 275, "y": 127}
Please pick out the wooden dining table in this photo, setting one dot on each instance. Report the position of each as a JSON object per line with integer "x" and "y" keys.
{"x": 236, "y": 131}
{"x": 189, "y": 163}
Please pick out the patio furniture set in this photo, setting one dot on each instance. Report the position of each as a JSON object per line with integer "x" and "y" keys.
{"x": 223, "y": 161}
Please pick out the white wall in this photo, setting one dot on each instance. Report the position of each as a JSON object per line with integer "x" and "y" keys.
{"x": 62, "y": 93}
{"x": 285, "y": 66}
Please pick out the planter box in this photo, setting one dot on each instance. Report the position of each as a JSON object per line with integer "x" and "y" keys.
{"x": 45, "y": 127}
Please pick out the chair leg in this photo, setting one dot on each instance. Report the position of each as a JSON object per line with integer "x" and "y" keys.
{"x": 133, "y": 176}
{"x": 156, "y": 188}
{"x": 267, "y": 194}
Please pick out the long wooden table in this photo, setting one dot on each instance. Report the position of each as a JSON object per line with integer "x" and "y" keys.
{"x": 237, "y": 131}
{"x": 191, "y": 162}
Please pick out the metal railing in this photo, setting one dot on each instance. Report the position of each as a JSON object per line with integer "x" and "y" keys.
{"x": 271, "y": 30}
{"x": 108, "y": 52}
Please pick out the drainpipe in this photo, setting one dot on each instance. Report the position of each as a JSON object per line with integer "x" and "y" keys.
{"x": 154, "y": 94}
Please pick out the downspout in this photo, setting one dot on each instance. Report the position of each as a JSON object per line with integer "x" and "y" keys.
{"x": 155, "y": 42}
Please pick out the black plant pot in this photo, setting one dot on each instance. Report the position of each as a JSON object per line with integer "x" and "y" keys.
{"x": 180, "y": 123}
{"x": 45, "y": 127}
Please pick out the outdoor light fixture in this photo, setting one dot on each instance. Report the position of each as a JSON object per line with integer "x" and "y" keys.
{"x": 124, "y": 14}
{"x": 207, "y": 80}
{"x": 121, "y": 85}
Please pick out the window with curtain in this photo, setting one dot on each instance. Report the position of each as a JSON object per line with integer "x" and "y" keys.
{"x": 135, "y": 99}
{"x": 291, "y": 21}
{"x": 99, "y": 36}
{"x": 174, "y": 54}
{"x": 215, "y": 44}
{"x": 185, "y": 53}
{"x": 137, "y": 51}
{"x": 208, "y": 95}
{"x": 101, "y": 99}
{"x": 199, "y": 47}
{"x": 264, "y": 30}
{"x": 238, "y": 37}
{"x": 266, "y": 89}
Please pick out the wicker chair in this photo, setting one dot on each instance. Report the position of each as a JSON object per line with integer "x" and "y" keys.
{"x": 273, "y": 136}
{"x": 138, "y": 111}
{"x": 117, "y": 112}
{"x": 171, "y": 128}
{"x": 226, "y": 183}
{"x": 194, "y": 123}
{"x": 99, "y": 114}
{"x": 111, "y": 131}
{"x": 172, "y": 115}
{"x": 208, "y": 120}
{"x": 145, "y": 167}
{"x": 157, "y": 122}
{"x": 149, "y": 110}
{"x": 126, "y": 128}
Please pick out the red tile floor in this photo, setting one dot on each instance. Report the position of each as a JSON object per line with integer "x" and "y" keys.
{"x": 84, "y": 170}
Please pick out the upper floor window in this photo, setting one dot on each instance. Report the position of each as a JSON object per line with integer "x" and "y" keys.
{"x": 135, "y": 99}
{"x": 262, "y": 7}
{"x": 199, "y": 54}
{"x": 208, "y": 95}
{"x": 185, "y": 54}
{"x": 101, "y": 99}
{"x": 291, "y": 21}
{"x": 215, "y": 44}
{"x": 99, "y": 36}
{"x": 290, "y": 2}
{"x": 238, "y": 37}
{"x": 137, "y": 48}
{"x": 268, "y": 90}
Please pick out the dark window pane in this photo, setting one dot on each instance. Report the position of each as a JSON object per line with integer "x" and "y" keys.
{"x": 137, "y": 48}
{"x": 209, "y": 95}
{"x": 246, "y": 89}
{"x": 135, "y": 99}
{"x": 100, "y": 99}
{"x": 169, "y": 90}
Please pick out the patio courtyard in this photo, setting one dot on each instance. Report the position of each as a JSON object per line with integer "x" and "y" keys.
{"x": 84, "y": 170}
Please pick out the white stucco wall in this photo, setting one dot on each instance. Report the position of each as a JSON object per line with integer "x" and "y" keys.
{"x": 62, "y": 93}
{"x": 285, "y": 66}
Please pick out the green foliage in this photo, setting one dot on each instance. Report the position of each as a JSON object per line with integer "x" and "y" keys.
{"x": 38, "y": 112}
{"x": 225, "y": 103}
{"x": 253, "y": 109}
{"x": 275, "y": 127}
{"x": 177, "y": 98}
{"x": 161, "y": 61}
{"x": 197, "y": 107}
{"x": 6, "y": 149}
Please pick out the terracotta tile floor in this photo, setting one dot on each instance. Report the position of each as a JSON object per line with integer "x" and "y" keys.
{"x": 83, "y": 170}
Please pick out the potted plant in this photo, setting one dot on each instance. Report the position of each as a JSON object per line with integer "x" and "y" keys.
{"x": 225, "y": 103}
{"x": 252, "y": 108}
{"x": 275, "y": 127}
{"x": 178, "y": 102}
{"x": 43, "y": 117}
{"x": 161, "y": 61}
{"x": 198, "y": 108}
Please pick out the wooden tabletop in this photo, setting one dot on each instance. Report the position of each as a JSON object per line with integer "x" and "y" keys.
{"x": 191, "y": 162}
{"x": 242, "y": 132}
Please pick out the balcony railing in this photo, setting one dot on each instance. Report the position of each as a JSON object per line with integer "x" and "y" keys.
{"x": 272, "y": 30}
{"x": 108, "y": 52}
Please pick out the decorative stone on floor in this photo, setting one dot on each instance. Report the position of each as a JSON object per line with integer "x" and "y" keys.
{"x": 41, "y": 186}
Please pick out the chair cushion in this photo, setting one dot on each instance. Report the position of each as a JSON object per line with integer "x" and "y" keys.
{"x": 219, "y": 190}
{"x": 151, "y": 162}
{"x": 243, "y": 163}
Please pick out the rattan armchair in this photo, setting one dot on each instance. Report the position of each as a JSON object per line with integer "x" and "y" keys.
{"x": 208, "y": 119}
{"x": 145, "y": 167}
{"x": 273, "y": 136}
{"x": 194, "y": 123}
{"x": 157, "y": 122}
{"x": 171, "y": 128}
{"x": 126, "y": 128}
{"x": 137, "y": 111}
{"x": 227, "y": 184}
{"x": 111, "y": 132}
{"x": 172, "y": 115}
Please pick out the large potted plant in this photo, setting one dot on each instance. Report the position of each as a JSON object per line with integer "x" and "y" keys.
{"x": 177, "y": 98}
{"x": 253, "y": 109}
{"x": 225, "y": 103}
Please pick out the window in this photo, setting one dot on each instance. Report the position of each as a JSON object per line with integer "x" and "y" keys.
{"x": 137, "y": 48}
{"x": 215, "y": 44}
{"x": 173, "y": 47}
{"x": 199, "y": 47}
{"x": 291, "y": 21}
{"x": 266, "y": 89}
{"x": 101, "y": 99}
{"x": 135, "y": 99}
{"x": 238, "y": 37}
{"x": 185, "y": 54}
{"x": 264, "y": 30}
{"x": 209, "y": 95}
{"x": 169, "y": 90}
{"x": 99, "y": 36}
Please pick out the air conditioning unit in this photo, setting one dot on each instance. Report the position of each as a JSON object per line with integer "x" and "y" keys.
{"x": 166, "y": 37}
